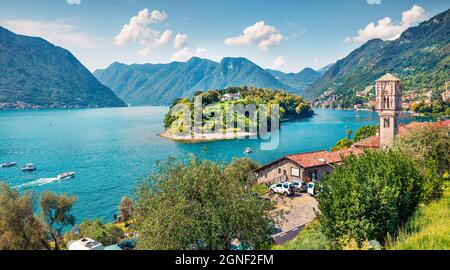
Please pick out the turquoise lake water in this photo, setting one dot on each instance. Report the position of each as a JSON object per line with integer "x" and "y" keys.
{"x": 112, "y": 149}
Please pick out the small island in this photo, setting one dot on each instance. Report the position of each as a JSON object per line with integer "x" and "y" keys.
{"x": 183, "y": 122}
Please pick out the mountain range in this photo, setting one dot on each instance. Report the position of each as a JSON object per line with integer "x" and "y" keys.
{"x": 39, "y": 74}
{"x": 420, "y": 57}
{"x": 161, "y": 84}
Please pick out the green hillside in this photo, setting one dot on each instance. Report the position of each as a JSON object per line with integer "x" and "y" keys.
{"x": 420, "y": 57}
{"x": 37, "y": 73}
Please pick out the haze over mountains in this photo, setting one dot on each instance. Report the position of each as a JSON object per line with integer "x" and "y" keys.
{"x": 161, "y": 84}
{"x": 39, "y": 74}
{"x": 420, "y": 57}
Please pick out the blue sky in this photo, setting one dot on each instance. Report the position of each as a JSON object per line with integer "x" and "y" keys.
{"x": 287, "y": 35}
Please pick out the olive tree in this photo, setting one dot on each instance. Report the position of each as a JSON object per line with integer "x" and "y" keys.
{"x": 107, "y": 234}
{"x": 198, "y": 204}
{"x": 126, "y": 209}
{"x": 20, "y": 228}
{"x": 56, "y": 214}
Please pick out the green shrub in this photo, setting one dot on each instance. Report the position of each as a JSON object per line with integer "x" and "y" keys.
{"x": 310, "y": 238}
{"x": 106, "y": 234}
{"x": 428, "y": 228}
{"x": 342, "y": 144}
{"x": 368, "y": 197}
{"x": 365, "y": 132}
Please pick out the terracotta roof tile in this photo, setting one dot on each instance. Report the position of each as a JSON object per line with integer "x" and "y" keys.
{"x": 388, "y": 77}
{"x": 314, "y": 159}
{"x": 370, "y": 142}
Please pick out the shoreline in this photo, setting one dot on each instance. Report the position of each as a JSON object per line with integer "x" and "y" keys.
{"x": 196, "y": 138}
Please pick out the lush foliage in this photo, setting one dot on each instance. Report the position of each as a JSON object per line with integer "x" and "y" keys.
{"x": 291, "y": 107}
{"x": 126, "y": 209}
{"x": 310, "y": 238}
{"x": 437, "y": 107}
{"x": 361, "y": 133}
{"x": 419, "y": 57}
{"x": 160, "y": 84}
{"x": 56, "y": 214}
{"x": 241, "y": 168}
{"x": 38, "y": 73}
{"x": 342, "y": 144}
{"x": 428, "y": 228}
{"x": 198, "y": 204}
{"x": 260, "y": 189}
{"x": 107, "y": 234}
{"x": 20, "y": 228}
{"x": 428, "y": 147}
{"x": 365, "y": 132}
{"x": 368, "y": 197}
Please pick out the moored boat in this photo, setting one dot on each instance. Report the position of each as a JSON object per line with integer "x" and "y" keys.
{"x": 8, "y": 164}
{"x": 248, "y": 150}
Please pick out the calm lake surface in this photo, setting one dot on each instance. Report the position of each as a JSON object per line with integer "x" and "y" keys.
{"x": 112, "y": 150}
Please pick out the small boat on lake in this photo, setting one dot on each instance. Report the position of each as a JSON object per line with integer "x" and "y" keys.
{"x": 66, "y": 175}
{"x": 30, "y": 167}
{"x": 248, "y": 150}
{"x": 8, "y": 164}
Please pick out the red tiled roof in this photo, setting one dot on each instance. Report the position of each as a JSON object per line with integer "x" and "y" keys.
{"x": 370, "y": 142}
{"x": 314, "y": 159}
{"x": 374, "y": 141}
{"x": 311, "y": 159}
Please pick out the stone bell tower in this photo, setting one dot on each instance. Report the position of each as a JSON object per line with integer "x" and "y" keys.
{"x": 389, "y": 106}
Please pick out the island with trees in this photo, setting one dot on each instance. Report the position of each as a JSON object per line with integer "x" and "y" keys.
{"x": 218, "y": 105}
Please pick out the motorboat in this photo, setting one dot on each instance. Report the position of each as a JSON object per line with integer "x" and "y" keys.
{"x": 30, "y": 167}
{"x": 66, "y": 175}
{"x": 8, "y": 164}
{"x": 248, "y": 150}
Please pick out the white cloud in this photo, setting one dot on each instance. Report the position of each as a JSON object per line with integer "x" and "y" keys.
{"x": 386, "y": 29}
{"x": 279, "y": 61}
{"x": 157, "y": 16}
{"x": 186, "y": 54}
{"x": 144, "y": 52}
{"x": 74, "y": 2}
{"x": 180, "y": 40}
{"x": 263, "y": 36}
{"x": 295, "y": 35}
{"x": 57, "y": 32}
{"x": 138, "y": 30}
{"x": 374, "y": 2}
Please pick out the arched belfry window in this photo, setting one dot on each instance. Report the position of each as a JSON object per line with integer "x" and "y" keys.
{"x": 387, "y": 122}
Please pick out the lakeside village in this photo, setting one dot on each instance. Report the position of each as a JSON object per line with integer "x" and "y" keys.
{"x": 416, "y": 102}
{"x": 293, "y": 194}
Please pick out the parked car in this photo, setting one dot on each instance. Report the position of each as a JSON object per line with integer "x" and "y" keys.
{"x": 286, "y": 188}
{"x": 300, "y": 186}
{"x": 313, "y": 188}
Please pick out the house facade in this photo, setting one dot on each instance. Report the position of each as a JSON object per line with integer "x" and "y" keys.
{"x": 305, "y": 167}
{"x": 231, "y": 96}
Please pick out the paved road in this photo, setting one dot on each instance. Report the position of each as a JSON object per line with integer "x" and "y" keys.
{"x": 299, "y": 210}
{"x": 286, "y": 236}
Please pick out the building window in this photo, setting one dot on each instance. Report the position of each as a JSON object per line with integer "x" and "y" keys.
{"x": 279, "y": 171}
{"x": 295, "y": 172}
{"x": 387, "y": 122}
